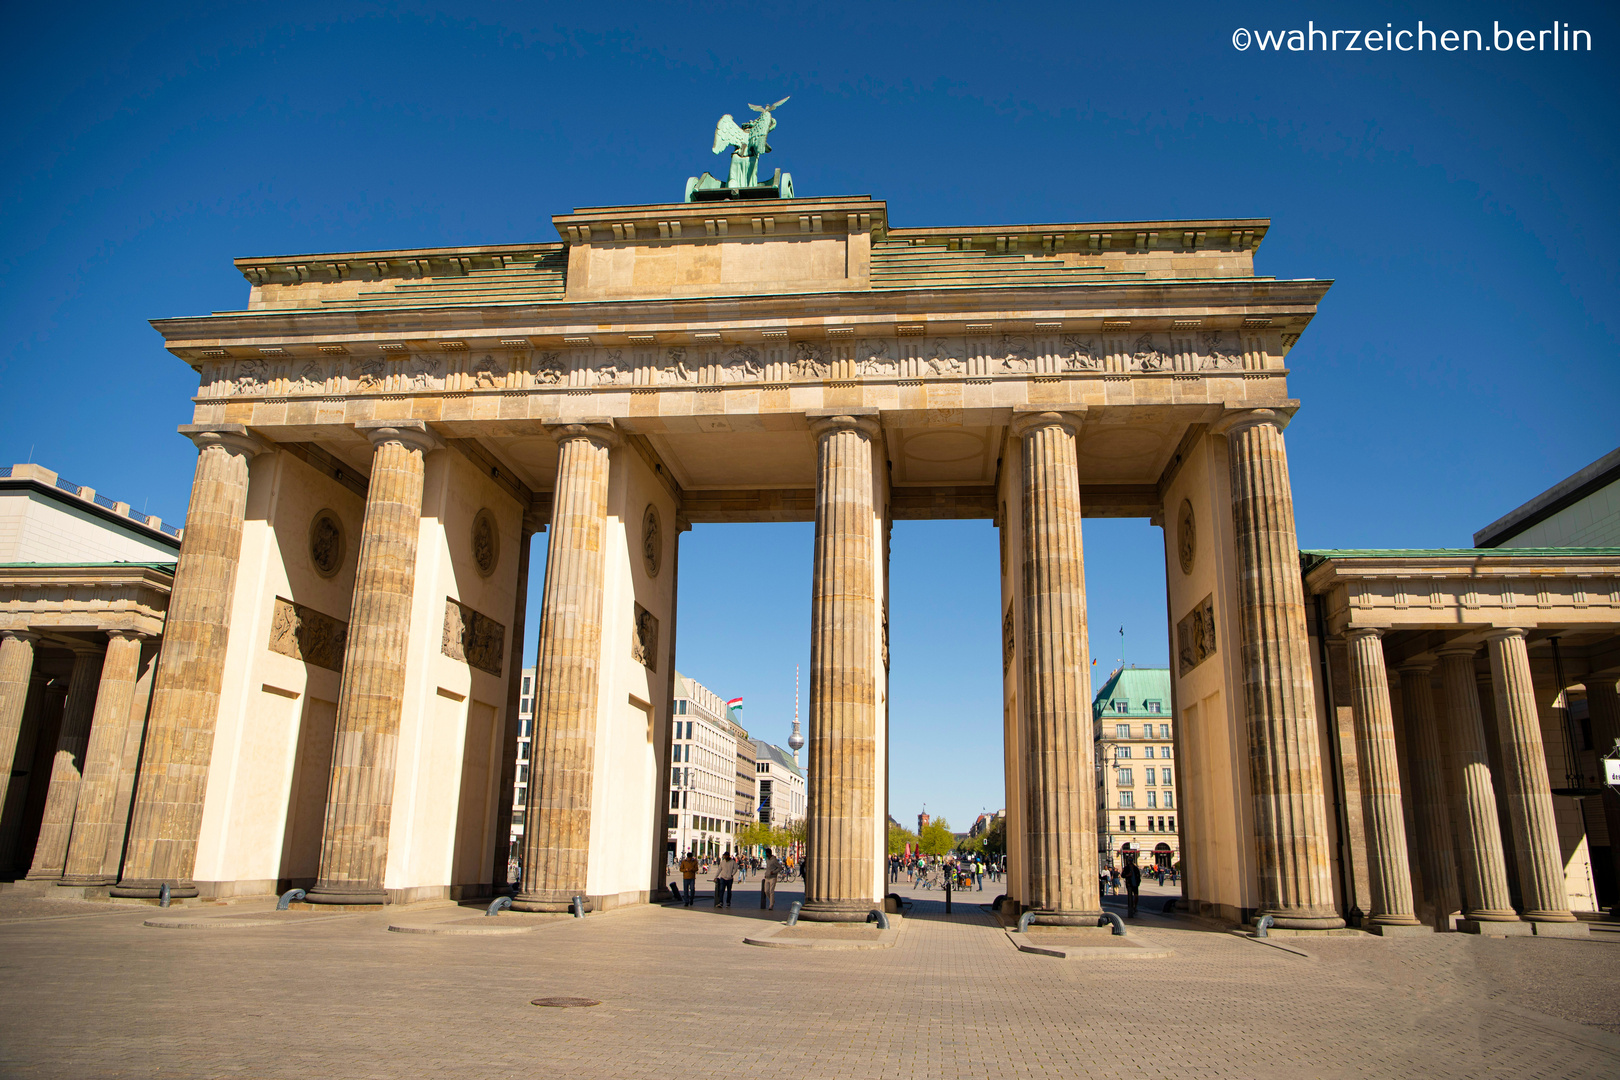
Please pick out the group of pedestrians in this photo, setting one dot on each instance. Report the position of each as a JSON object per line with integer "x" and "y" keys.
{"x": 727, "y": 870}
{"x": 966, "y": 871}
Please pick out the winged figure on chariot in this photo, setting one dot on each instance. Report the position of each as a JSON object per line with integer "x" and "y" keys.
{"x": 747, "y": 144}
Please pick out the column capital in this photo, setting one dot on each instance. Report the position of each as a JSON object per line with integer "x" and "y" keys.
{"x": 411, "y": 434}
{"x": 27, "y": 637}
{"x": 598, "y": 430}
{"x": 1504, "y": 633}
{"x": 1235, "y": 420}
{"x": 84, "y": 648}
{"x": 1467, "y": 650}
{"x": 863, "y": 420}
{"x": 128, "y": 635}
{"x": 1028, "y": 418}
{"x": 235, "y": 438}
{"x": 1356, "y": 633}
{"x": 1418, "y": 665}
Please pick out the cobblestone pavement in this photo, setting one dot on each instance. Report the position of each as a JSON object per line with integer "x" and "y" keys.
{"x": 86, "y": 990}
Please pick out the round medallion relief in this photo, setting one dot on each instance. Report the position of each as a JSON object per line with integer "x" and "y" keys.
{"x": 486, "y": 543}
{"x": 1187, "y": 537}
{"x": 652, "y": 541}
{"x": 326, "y": 545}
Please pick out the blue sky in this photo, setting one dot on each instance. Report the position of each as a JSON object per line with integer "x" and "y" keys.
{"x": 1463, "y": 203}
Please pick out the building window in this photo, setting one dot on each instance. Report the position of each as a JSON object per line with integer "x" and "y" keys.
{"x": 1123, "y": 707}
{"x": 1164, "y": 733}
{"x": 1172, "y": 827}
{"x": 1150, "y": 777}
{"x": 1122, "y": 752}
{"x": 670, "y": 820}
{"x": 1127, "y": 800}
{"x": 525, "y": 684}
{"x": 675, "y": 778}
{"x": 1169, "y": 800}
{"x": 1122, "y": 731}
{"x": 523, "y": 706}
{"x": 1121, "y": 824}
{"x": 1153, "y": 800}
{"x": 1125, "y": 777}
{"x": 1166, "y": 777}
{"x": 1164, "y": 751}
{"x": 1147, "y": 752}
{"x": 1149, "y": 824}
{"x": 1133, "y": 824}
{"x": 674, "y": 800}
{"x": 1153, "y": 707}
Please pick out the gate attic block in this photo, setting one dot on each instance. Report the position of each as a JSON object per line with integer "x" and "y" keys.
{"x": 803, "y": 360}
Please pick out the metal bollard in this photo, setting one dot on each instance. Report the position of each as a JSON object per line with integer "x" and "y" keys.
{"x": 288, "y": 897}
{"x": 1266, "y": 922}
{"x": 793, "y": 913}
{"x": 947, "y": 894}
{"x": 579, "y": 907}
{"x": 1024, "y": 920}
{"x": 1107, "y": 918}
{"x": 163, "y": 895}
{"x": 882, "y": 919}
{"x": 500, "y": 903}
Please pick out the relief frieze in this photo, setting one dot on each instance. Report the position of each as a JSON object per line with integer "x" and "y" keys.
{"x": 308, "y": 635}
{"x": 1195, "y": 635}
{"x": 473, "y": 637}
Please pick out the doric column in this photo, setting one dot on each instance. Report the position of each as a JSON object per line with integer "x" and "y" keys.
{"x": 56, "y": 824}
{"x": 1484, "y": 871}
{"x": 95, "y": 812}
{"x": 1061, "y": 796}
{"x": 1529, "y": 794}
{"x": 371, "y": 693}
{"x": 1427, "y": 769}
{"x": 562, "y": 747}
{"x": 1380, "y": 784}
{"x": 844, "y": 617}
{"x": 1285, "y": 767}
{"x": 167, "y": 815}
{"x": 16, "y": 666}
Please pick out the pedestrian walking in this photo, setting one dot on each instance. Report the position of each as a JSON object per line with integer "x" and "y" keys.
{"x": 767, "y": 884}
{"x": 725, "y": 873}
{"x": 1133, "y": 887}
{"x": 689, "y": 869}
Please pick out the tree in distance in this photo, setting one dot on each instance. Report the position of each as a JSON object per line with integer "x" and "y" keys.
{"x": 899, "y": 837}
{"x": 936, "y": 838}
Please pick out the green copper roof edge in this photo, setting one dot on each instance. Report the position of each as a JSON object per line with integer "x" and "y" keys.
{"x": 167, "y": 567}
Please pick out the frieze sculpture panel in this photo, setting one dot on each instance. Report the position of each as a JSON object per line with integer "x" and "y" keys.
{"x": 308, "y": 635}
{"x": 878, "y": 357}
{"x": 1195, "y": 635}
{"x": 473, "y": 637}
{"x": 644, "y": 639}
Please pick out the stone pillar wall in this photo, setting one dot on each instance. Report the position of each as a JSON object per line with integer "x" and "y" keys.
{"x": 1293, "y": 847}
{"x": 1484, "y": 870}
{"x": 1390, "y": 878}
{"x": 1429, "y": 798}
{"x": 167, "y": 815}
{"x": 1529, "y": 794}
{"x": 842, "y": 813}
{"x": 56, "y": 824}
{"x": 562, "y": 748}
{"x": 371, "y": 695}
{"x": 16, "y": 668}
{"x": 95, "y": 813}
{"x": 1060, "y": 796}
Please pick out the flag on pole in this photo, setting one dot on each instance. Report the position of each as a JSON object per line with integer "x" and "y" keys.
{"x": 734, "y": 703}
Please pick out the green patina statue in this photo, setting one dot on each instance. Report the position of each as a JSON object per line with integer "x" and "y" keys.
{"x": 748, "y": 143}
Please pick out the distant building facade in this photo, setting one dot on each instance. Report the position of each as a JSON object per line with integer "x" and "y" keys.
{"x": 1582, "y": 510}
{"x": 703, "y": 772}
{"x": 1136, "y": 779}
{"x": 781, "y": 785}
{"x": 520, "y": 785}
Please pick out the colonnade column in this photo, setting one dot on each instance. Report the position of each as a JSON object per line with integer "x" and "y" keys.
{"x": 16, "y": 671}
{"x": 371, "y": 694}
{"x": 562, "y": 746}
{"x": 1391, "y": 880}
{"x": 1285, "y": 767}
{"x": 1435, "y": 858}
{"x": 840, "y": 864}
{"x": 62, "y": 796}
{"x": 93, "y": 813}
{"x": 1061, "y": 799}
{"x": 1529, "y": 793}
{"x": 1486, "y": 898}
{"x": 167, "y": 815}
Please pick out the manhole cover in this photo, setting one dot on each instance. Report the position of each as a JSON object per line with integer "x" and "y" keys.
{"x": 564, "y": 1002}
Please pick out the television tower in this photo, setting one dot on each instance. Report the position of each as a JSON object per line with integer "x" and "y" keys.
{"x": 796, "y": 740}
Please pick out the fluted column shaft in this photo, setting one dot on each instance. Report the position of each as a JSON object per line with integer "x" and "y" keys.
{"x": 842, "y": 812}
{"x": 1285, "y": 767}
{"x": 371, "y": 693}
{"x": 1387, "y": 864}
{"x": 95, "y": 810}
{"x": 1484, "y": 868}
{"x": 167, "y": 815}
{"x": 1427, "y": 768}
{"x": 1060, "y": 795}
{"x": 62, "y": 796}
{"x": 16, "y": 668}
{"x": 562, "y": 749}
{"x": 1529, "y": 793}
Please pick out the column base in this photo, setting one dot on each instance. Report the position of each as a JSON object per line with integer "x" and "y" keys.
{"x": 1302, "y": 920}
{"x": 1064, "y": 918}
{"x": 43, "y": 875}
{"x": 87, "y": 881}
{"x": 152, "y": 889}
{"x": 550, "y": 901}
{"x": 1549, "y": 917}
{"x": 1560, "y": 929}
{"x": 841, "y": 911}
{"x": 350, "y": 896}
{"x": 1494, "y": 927}
{"x": 1412, "y": 929}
